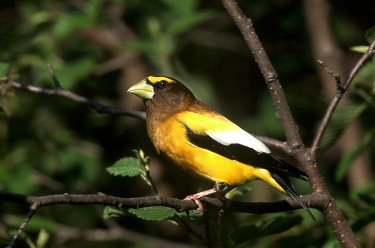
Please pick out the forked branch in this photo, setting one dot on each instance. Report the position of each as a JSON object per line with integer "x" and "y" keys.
{"x": 339, "y": 93}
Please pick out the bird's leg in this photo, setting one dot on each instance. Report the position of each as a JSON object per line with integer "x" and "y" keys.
{"x": 219, "y": 187}
{"x": 196, "y": 197}
{"x": 222, "y": 188}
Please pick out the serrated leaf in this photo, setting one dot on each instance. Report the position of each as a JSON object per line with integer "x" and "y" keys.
{"x": 342, "y": 117}
{"x": 351, "y": 155}
{"x": 111, "y": 212}
{"x": 281, "y": 224}
{"x": 127, "y": 167}
{"x": 153, "y": 213}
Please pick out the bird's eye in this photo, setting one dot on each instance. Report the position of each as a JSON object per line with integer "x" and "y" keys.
{"x": 162, "y": 84}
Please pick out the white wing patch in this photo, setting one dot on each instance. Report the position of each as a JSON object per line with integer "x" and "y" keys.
{"x": 238, "y": 137}
{"x": 232, "y": 134}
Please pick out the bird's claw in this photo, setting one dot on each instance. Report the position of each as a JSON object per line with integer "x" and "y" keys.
{"x": 195, "y": 198}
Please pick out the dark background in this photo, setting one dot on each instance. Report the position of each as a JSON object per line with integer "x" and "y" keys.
{"x": 51, "y": 145}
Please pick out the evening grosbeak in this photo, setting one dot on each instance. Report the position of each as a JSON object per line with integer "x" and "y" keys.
{"x": 206, "y": 143}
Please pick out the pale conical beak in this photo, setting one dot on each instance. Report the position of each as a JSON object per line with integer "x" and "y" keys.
{"x": 142, "y": 89}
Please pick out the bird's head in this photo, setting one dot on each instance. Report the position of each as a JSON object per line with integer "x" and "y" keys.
{"x": 161, "y": 89}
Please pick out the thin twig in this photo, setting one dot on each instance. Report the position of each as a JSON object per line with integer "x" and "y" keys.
{"x": 104, "y": 109}
{"x": 336, "y": 76}
{"x": 54, "y": 78}
{"x": 98, "y": 107}
{"x": 22, "y": 227}
{"x": 336, "y": 99}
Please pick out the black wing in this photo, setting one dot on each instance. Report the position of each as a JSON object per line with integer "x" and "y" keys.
{"x": 279, "y": 169}
{"x": 245, "y": 155}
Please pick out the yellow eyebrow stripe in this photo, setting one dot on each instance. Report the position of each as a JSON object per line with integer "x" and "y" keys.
{"x": 153, "y": 79}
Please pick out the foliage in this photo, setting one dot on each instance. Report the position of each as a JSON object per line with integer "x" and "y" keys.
{"x": 50, "y": 145}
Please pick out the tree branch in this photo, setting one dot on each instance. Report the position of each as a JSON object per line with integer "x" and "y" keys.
{"x": 312, "y": 201}
{"x": 99, "y": 108}
{"x": 22, "y": 227}
{"x": 245, "y": 25}
{"x": 332, "y": 213}
{"x": 321, "y": 199}
{"x": 339, "y": 93}
{"x": 274, "y": 143}
{"x": 104, "y": 109}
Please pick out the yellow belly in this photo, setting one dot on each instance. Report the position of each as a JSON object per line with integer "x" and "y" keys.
{"x": 203, "y": 162}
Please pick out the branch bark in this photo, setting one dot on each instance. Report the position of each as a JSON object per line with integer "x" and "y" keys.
{"x": 326, "y": 49}
{"x": 98, "y": 107}
{"x": 339, "y": 94}
{"x": 320, "y": 199}
{"x": 303, "y": 155}
{"x": 312, "y": 201}
{"x": 283, "y": 112}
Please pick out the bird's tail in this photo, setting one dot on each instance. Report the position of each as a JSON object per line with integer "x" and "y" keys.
{"x": 285, "y": 183}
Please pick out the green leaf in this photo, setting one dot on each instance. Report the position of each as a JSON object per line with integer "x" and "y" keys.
{"x": 268, "y": 227}
{"x": 68, "y": 24}
{"x": 370, "y": 34}
{"x": 365, "y": 81}
{"x": 153, "y": 213}
{"x": 43, "y": 238}
{"x": 38, "y": 222}
{"x": 351, "y": 155}
{"x": 366, "y": 218}
{"x": 359, "y": 49}
{"x": 74, "y": 71}
{"x": 342, "y": 117}
{"x": 111, "y": 212}
{"x": 139, "y": 45}
{"x": 281, "y": 224}
{"x": 183, "y": 7}
{"x": 364, "y": 193}
{"x": 187, "y": 22}
{"x": 368, "y": 199}
{"x": 245, "y": 233}
{"x": 4, "y": 68}
{"x": 127, "y": 167}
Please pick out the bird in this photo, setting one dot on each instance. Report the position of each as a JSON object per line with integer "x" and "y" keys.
{"x": 205, "y": 143}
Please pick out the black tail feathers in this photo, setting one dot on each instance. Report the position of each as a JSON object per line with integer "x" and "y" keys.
{"x": 285, "y": 183}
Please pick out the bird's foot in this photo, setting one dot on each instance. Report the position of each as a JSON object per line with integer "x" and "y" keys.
{"x": 196, "y": 198}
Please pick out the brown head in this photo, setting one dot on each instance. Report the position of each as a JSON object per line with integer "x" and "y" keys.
{"x": 163, "y": 96}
